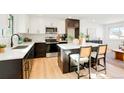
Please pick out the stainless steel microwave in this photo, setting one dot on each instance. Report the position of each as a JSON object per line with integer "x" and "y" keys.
{"x": 51, "y": 30}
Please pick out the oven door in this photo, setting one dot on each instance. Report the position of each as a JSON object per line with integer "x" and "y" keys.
{"x": 52, "y": 50}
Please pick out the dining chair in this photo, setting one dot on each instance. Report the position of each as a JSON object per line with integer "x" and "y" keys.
{"x": 98, "y": 55}
{"x": 79, "y": 59}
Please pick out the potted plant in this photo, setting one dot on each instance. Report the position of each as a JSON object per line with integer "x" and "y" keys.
{"x": 2, "y": 48}
{"x": 70, "y": 38}
{"x": 81, "y": 37}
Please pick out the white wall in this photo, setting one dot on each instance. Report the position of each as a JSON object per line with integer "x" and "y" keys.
{"x": 112, "y": 43}
{"x": 95, "y": 30}
{"x": 38, "y": 24}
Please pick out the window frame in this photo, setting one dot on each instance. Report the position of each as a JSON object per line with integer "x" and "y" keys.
{"x": 119, "y": 36}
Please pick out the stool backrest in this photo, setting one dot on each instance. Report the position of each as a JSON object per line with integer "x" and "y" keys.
{"x": 85, "y": 51}
{"x": 102, "y": 50}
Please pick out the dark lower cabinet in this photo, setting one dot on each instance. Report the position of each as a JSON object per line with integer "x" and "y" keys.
{"x": 18, "y": 68}
{"x": 10, "y": 76}
{"x": 11, "y": 69}
{"x": 40, "y": 50}
{"x": 63, "y": 61}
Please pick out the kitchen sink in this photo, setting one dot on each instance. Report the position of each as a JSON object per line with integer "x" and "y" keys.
{"x": 20, "y": 47}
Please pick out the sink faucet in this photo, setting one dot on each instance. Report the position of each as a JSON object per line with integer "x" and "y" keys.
{"x": 12, "y": 39}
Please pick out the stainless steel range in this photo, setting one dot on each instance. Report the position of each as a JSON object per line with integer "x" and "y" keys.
{"x": 52, "y": 49}
{"x": 51, "y": 42}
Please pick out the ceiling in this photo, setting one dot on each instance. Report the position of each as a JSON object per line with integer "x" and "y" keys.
{"x": 96, "y": 18}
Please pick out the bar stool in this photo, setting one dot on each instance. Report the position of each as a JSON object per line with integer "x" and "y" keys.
{"x": 97, "y": 56}
{"x": 80, "y": 58}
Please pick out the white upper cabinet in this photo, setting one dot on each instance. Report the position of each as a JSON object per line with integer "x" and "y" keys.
{"x": 3, "y": 23}
{"x": 21, "y": 23}
{"x": 38, "y": 24}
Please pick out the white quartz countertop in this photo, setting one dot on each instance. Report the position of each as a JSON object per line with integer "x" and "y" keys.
{"x": 11, "y": 54}
{"x": 74, "y": 46}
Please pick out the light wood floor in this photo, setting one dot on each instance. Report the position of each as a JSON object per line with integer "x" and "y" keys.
{"x": 47, "y": 68}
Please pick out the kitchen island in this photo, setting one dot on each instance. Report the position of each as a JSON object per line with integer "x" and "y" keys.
{"x": 15, "y": 63}
{"x": 63, "y": 54}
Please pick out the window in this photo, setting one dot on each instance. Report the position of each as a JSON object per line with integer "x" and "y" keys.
{"x": 122, "y": 32}
{"x": 117, "y": 33}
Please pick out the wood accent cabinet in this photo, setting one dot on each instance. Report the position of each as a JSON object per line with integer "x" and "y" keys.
{"x": 119, "y": 56}
{"x": 72, "y": 24}
{"x": 40, "y": 50}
